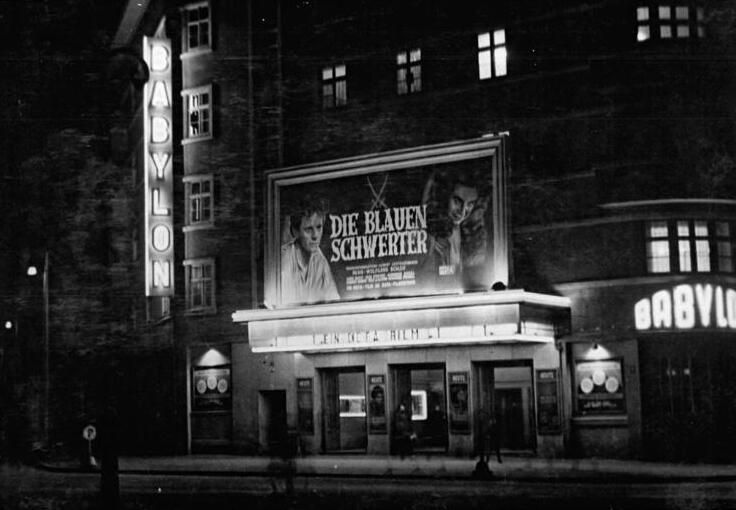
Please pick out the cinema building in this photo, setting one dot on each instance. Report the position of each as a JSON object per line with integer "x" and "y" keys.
{"x": 353, "y": 207}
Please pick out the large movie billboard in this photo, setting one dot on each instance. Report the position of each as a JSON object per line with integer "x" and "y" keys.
{"x": 371, "y": 229}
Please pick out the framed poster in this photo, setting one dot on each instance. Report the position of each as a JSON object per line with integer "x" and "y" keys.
{"x": 548, "y": 402}
{"x": 406, "y": 223}
{"x": 211, "y": 389}
{"x": 599, "y": 387}
{"x": 377, "y": 423}
{"x": 305, "y": 405}
{"x": 459, "y": 397}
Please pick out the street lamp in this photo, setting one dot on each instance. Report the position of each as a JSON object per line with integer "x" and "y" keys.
{"x": 33, "y": 271}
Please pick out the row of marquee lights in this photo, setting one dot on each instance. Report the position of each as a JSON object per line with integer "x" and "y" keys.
{"x": 159, "y": 185}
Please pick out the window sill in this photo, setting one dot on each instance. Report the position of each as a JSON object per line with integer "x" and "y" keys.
{"x": 161, "y": 320}
{"x": 200, "y": 312}
{"x": 198, "y": 226}
{"x": 195, "y": 53}
{"x": 611, "y": 420}
{"x": 187, "y": 141}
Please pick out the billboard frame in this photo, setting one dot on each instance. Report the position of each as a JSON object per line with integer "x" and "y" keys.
{"x": 491, "y": 147}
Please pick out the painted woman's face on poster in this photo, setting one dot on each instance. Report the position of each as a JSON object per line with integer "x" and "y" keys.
{"x": 415, "y": 231}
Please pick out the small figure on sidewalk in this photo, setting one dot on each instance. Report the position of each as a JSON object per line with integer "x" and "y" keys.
{"x": 404, "y": 431}
{"x": 492, "y": 440}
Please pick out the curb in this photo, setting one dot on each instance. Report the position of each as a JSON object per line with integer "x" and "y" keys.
{"x": 520, "y": 476}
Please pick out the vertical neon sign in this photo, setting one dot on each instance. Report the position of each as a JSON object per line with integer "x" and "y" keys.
{"x": 159, "y": 179}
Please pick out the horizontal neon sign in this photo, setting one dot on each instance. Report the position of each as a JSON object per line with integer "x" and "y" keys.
{"x": 687, "y": 307}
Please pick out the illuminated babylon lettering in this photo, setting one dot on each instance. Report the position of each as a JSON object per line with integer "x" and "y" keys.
{"x": 161, "y": 273}
{"x": 687, "y": 307}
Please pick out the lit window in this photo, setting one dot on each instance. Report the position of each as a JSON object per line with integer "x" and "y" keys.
{"x": 492, "y": 54}
{"x": 200, "y": 284}
{"x": 196, "y": 24}
{"x": 671, "y": 22}
{"x": 725, "y": 247}
{"x": 409, "y": 71}
{"x": 682, "y": 15}
{"x": 199, "y": 201}
{"x": 693, "y": 246}
{"x": 658, "y": 247}
{"x": 198, "y": 112}
{"x": 642, "y": 20}
{"x": 334, "y": 86}
{"x": 701, "y": 246}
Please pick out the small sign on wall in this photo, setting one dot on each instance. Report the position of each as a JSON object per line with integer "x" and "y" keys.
{"x": 459, "y": 410}
{"x": 305, "y": 405}
{"x": 377, "y": 423}
{"x": 599, "y": 387}
{"x": 212, "y": 390}
{"x": 548, "y": 402}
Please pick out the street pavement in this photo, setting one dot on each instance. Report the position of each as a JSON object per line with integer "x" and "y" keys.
{"x": 417, "y": 467}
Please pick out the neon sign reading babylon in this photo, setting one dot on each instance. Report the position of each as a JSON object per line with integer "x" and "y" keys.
{"x": 159, "y": 181}
{"x": 687, "y": 307}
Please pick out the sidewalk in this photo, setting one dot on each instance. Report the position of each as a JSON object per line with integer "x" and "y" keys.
{"x": 420, "y": 466}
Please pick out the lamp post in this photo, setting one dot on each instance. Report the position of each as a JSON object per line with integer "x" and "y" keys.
{"x": 32, "y": 271}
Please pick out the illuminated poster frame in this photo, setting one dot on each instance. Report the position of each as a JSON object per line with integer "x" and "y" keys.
{"x": 158, "y": 168}
{"x": 600, "y": 388}
{"x": 376, "y": 221}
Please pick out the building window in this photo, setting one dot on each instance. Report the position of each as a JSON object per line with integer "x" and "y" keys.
{"x": 688, "y": 246}
{"x": 693, "y": 246}
{"x": 200, "y": 285}
{"x": 672, "y": 22}
{"x": 724, "y": 248}
{"x": 199, "y": 201}
{"x": 166, "y": 306}
{"x": 334, "y": 86}
{"x": 658, "y": 247}
{"x": 198, "y": 113}
{"x": 492, "y": 54}
{"x": 409, "y": 71}
{"x": 196, "y": 23}
{"x": 642, "y": 19}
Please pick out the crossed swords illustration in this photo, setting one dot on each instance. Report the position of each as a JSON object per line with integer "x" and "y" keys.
{"x": 378, "y": 195}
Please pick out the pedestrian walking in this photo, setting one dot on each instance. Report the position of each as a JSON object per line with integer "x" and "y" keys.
{"x": 403, "y": 431}
{"x": 493, "y": 439}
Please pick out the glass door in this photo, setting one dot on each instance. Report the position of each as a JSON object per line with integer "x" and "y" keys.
{"x": 422, "y": 389}
{"x": 345, "y": 427}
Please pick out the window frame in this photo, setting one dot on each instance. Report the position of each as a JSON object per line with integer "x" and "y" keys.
{"x": 204, "y": 307}
{"x": 687, "y": 252}
{"x": 186, "y": 24}
{"x": 187, "y": 94}
{"x": 336, "y": 84}
{"x": 189, "y": 197}
{"x": 672, "y": 20}
{"x": 617, "y": 397}
{"x": 489, "y": 54}
{"x": 409, "y": 65}
{"x": 651, "y": 239}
